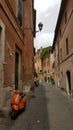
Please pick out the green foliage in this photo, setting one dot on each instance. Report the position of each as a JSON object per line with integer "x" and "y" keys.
{"x": 45, "y": 51}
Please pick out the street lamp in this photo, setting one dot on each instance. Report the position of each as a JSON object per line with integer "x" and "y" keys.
{"x": 40, "y": 26}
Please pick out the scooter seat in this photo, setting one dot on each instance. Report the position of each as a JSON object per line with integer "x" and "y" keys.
{"x": 22, "y": 95}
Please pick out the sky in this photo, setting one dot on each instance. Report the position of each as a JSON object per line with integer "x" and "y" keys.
{"x": 46, "y": 12}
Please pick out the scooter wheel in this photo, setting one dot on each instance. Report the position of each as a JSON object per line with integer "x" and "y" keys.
{"x": 13, "y": 114}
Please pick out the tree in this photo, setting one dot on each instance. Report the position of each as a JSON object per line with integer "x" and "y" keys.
{"x": 45, "y": 51}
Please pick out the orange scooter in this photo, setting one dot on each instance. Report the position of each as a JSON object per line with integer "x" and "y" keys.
{"x": 18, "y": 102}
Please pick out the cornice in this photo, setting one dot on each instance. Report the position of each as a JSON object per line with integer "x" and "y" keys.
{"x": 66, "y": 58}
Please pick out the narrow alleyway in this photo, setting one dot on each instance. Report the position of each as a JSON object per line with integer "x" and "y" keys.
{"x": 50, "y": 109}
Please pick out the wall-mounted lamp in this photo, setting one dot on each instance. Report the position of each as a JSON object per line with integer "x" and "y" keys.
{"x": 10, "y": 54}
{"x": 40, "y": 26}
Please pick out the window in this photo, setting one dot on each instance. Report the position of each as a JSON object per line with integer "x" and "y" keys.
{"x": 60, "y": 32}
{"x": 61, "y": 74}
{"x": 60, "y": 54}
{"x": 0, "y": 42}
{"x": 67, "y": 51}
{"x": 0, "y": 34}
{"x": 65, "y": 16}
{"x": 55, "y": 53}
{"x": 20, "y": 11}
{"x": 40, "y": 70}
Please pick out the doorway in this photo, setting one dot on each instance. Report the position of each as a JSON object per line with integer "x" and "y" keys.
{"x": 68, "y": 75}
{"x": 16, "y": 69}
{"x": 2, "y": 52}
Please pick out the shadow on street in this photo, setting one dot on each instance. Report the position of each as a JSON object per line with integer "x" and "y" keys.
{"x": 35, "y": 117}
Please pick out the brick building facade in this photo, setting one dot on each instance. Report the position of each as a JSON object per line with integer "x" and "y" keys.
{"x": 37, "y": 61}
{"x": 16, "y": 41}
{"x": 63, "y": 48}
{"x": 42, "y": 66}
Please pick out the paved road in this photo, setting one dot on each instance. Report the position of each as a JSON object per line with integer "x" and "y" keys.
{"x": 60, "y": 109}
{"x": 50, "y": 109}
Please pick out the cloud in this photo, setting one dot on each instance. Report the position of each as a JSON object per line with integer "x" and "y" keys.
{"x": 43, "y": 40}
{"x": 47, "y": 13}
{"x": 45, "y": 4}
{"x": 47, "y": 37}
{"x": 49, "y": 16}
